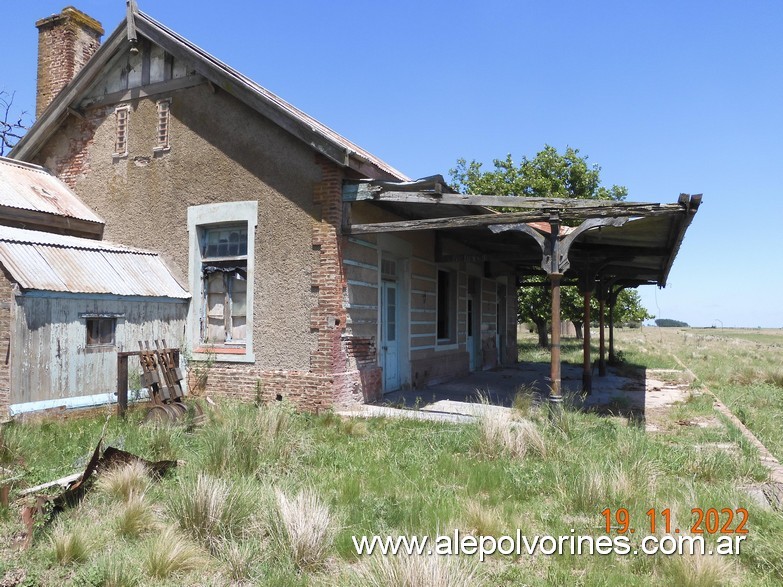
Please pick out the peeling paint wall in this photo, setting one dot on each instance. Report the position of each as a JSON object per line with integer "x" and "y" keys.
{"x": 6, "y": 340}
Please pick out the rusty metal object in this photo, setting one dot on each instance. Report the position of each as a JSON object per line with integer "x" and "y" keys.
{"x": 167, "y": 393}
{"x": 42, "y": 509}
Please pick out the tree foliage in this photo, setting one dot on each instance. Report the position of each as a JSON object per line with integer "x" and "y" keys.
{"x": 669, "y": 323}
{"x": 549, "y": 174}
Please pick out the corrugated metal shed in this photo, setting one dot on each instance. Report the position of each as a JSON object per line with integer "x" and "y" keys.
{"x": 50, "y": 262}
{"x": 29, "y": 187}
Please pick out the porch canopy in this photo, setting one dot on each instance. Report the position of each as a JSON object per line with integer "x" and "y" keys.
{"x": 603, "y": 246}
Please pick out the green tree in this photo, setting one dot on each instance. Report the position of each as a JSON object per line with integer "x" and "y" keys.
{"x": 549, "y": 174}
{"x": 628, "y": 309}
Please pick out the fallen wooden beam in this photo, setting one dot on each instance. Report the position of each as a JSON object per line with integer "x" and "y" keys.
{"x": 63, "y": 482}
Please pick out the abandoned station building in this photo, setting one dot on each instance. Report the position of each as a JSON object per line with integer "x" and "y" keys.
{"x": 318, "y": 273}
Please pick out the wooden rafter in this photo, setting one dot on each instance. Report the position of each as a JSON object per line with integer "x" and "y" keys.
{"x": 610, "y": 210}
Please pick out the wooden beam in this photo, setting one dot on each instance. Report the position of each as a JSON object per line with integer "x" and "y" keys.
{"x": 357, "y": 192}
{"x": 540, "y": 215}
{"x": 165, "y": 87}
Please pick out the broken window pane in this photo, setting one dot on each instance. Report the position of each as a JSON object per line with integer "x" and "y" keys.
{"x": 100, "y": 331}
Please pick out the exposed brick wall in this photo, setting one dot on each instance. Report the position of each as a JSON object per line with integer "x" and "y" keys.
{"x": 343, "y": 368}
{"x": 66, "y": 41}
{"x": 351, "y": 362}
{"x": 6, "y": 325}
{"x": 246, "y": 382}
{"x": 74, "y": 160}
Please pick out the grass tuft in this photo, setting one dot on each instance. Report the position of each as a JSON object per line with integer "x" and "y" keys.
{"x": 239, "y": 558}
{"x": 418, "y": 571}
{"x": 136, "y": 518}
{"x": 210, "y": 511}
{"x": 699, "y": 570}
{"x": 303, "y": 528}
{"x": 499, "y": 433}
{"x": 170, "y": 553}
{"x": 116, "y": 572}
{"x": 70, "y": 546}
{"x": 244, "y": 440}
{"x": 124, "y": 482}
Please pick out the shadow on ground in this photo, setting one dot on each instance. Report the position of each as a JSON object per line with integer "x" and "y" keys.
{"x": 628, "y": 390}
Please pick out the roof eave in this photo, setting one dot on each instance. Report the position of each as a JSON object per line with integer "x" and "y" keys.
{"x": 691, "y": 205}
{"x": 212, "y": 69}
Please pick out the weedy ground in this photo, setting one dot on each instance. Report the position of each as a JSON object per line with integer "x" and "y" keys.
{"x": 266, "y": 496}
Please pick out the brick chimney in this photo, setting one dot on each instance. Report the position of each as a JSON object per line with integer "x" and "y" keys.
{"x": 66, "y": 41}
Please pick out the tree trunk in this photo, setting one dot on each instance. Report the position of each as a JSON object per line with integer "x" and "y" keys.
{"x": 578, "y": 329}
{"x": 543, "y": 333}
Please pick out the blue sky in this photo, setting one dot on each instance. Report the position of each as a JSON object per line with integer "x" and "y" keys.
{"x": 666, "y": 97}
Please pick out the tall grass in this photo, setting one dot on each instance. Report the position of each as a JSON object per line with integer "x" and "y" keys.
{"x": 210, "y": 510}
{"x": 169, "y": 553}
{"x": 303, "y": 527}
{"x": 124, "y": 482}
{"x": 70, "y": 545}
{"x": 698, "y": 570}
{"x": 247, "y": 440}
{"x": 499, "y": 433}
{"x": 418, "y": 571}
{"x": 136, "y": 518}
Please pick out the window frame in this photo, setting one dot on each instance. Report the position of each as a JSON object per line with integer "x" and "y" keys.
{"x": 229, "y": 278}
{"x": 94, "y": 322}
{"x": 121, "y": 130}
{"x": 163, "y": 136}
{"x": 200, "y": 220}
{"x": 450, "y": 303}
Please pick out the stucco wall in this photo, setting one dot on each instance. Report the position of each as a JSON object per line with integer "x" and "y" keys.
{"x": 221, "y": 151}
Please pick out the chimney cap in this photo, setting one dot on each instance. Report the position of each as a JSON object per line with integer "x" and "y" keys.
{"x": 71, "y": 13}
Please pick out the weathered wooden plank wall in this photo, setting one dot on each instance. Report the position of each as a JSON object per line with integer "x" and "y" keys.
{"x": 49, "y": 358}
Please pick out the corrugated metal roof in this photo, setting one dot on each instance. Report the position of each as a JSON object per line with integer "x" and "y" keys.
{"x": 30, "y": 187}
{"x": 51, "y": 262}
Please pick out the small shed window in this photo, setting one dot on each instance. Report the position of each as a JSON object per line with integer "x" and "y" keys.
{"x": 100, "y": 331}
{"x": 121, "y": 115}
{"x": 164, "y": 112}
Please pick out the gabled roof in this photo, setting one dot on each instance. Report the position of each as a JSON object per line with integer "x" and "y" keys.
{"x": 52, "y": 262}
{"x": 306, "y": 128}
{"x": 31, "y": 194}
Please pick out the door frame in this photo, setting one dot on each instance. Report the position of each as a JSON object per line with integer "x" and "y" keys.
{"x": 399, "y": 251}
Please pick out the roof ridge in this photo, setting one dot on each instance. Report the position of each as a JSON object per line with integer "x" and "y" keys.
{"x": 329, "y": 142}
{"x": 39, "y": 237}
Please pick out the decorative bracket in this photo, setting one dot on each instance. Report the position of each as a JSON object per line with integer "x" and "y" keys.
{"x": 555, "y": 249}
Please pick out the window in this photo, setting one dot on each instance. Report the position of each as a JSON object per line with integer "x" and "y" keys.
{"x": 446, "y": 306}
{"x": 121, "y": 115}
{"x": 100, "y": 331}
{"x": 224, "y": 284}
{"x": 222, "y": 261}
{"x": 164, "y": 111}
